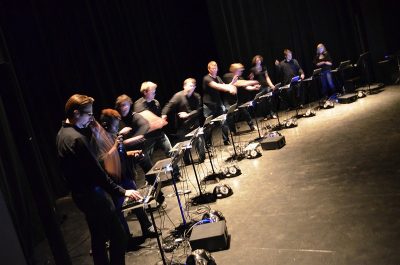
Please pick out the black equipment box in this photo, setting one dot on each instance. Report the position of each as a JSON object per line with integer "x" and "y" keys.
{"x": 210, "y": 236}
{"x": 271, "y": 143}
{"x": 348, "y": 98}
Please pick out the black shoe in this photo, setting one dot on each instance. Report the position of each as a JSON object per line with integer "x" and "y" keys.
{"x": 160, "y": 198}
{"x": 134, "y": 243}
{"x": 150, "y": 233}
{"x": 227, "y": 142}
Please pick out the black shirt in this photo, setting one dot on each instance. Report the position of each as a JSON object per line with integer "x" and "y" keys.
{"x": 288, "y": 70}
{"x": 79, "y": 164}
{"x": 260, "y": 75}
{"x": 183, "y": 103}
{"x": 139, "y": 125}
{"x": 154, "y": 106}
{"x": 211, "y": 96}
{"x": 227, "y": 98}
{"x": 141, "y": 104}
{"x": 325, "y": 57}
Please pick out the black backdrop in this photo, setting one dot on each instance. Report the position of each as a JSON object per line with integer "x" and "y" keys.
{"x": 52, "y": 49}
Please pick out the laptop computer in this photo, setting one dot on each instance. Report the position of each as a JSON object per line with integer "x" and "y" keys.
{"x": 148, "y": 193}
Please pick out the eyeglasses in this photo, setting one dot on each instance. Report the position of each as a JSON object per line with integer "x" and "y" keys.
{"x": 87, "y": 113}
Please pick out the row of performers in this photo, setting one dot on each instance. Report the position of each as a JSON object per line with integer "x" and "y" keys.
{"x": 96, "y": 157}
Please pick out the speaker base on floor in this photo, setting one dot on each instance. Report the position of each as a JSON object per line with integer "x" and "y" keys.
{"x": 272, "y": 143}
{"x": 211, "y": 236}
{"x": 348, "y": 98}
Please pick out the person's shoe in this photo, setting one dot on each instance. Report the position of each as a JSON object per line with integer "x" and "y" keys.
{"x": 253, "y": 128}
{"x": 201, "y": 159}
{"x": 187, "y": 163}
{"x": 274, "y": 116}
{"x": 134, "y": 243}
{"x": 178, "y": 178}
{"x": 227, "y": 142}
{"x": 150, "y": 232}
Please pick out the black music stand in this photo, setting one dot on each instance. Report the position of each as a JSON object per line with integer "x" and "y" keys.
{"x": 295, "y": 80}
{"x": 146, "y": 203}
{"x": 221, "y": 118}
{"x": 362, "y": 60}
{"x": 207, "y": 126}
{"x": 253, "y": 104}
{"x": 166, "y": 165}
{"x": 202, "y": 197}
{"x": 340, "y": 70}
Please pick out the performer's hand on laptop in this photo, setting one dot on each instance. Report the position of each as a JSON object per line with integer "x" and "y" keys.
{"x": 133, "y": 194}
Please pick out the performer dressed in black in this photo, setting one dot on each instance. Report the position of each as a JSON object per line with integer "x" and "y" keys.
{"x": 156, "y": 138}
{"x": 243, "y": 89}
{"x": 260, "y": 73}
{"x": 323, "y": 60}
{"x": 212, "y": 102}
{"x": 90, "y": 185}
{"x": 134, "y": 139}
{"x": 116, "y": 162}
{"x": 287, "y": 69}
{"x": 188, "y": 109}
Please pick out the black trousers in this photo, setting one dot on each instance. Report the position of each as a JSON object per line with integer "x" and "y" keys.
{"x": 104, "y": 225}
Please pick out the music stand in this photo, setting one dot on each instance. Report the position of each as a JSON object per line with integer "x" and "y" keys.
{"x": 207, "y": 124}
{"x": 362, "y": 60}
{"x": 222, "y": 118}
{"x": 166, "y": 165}
{"x": 202, "y": 197}
{"x": 145, "y": 203}
{"x": 294, "y": 81}
{"x": 252, "y": 103}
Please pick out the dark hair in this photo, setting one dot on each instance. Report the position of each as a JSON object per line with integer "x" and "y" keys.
{"x": 286, "y": 51}
{"x": 121, "y": 99}
{"x": 77, "y": 102}
{"x": 253, "y": 61}
{"x": 107, "y": 116}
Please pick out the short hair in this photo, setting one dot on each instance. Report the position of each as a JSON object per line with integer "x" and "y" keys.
{"x": 107, "y": 117}
{"x": 212, "y": 63}
{"x": 286, "y": 51}
{"x": 253, "y": 61}
{"x": 121, "y": 99}
{"x": 235, "y": 66}
{"x": 112, "y": 113}
{"x": 190, "y": 79}
{"x": 146, "y": 86}
{"x": 77, "y": 102}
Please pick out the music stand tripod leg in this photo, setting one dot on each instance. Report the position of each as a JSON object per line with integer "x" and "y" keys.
{"x": 158, "y": 236}
{"x": 179, "y": 200}
{"x": 214, "y": 175}
{"x": 195, "y": 172}
{"x": 255, "y": 118}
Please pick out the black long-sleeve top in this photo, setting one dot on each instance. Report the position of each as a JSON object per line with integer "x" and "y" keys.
{"x": 260, "y": 75}
{"x": 154, "y": 106}
{"x": 211, "y": 96}
{"x": 325, "y": 57}
{"x": 183, "y": 103}
{"x": 288, "y": 70}
{"x": 79, "y": 164}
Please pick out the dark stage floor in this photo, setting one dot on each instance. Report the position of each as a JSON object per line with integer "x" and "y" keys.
{"x": 330, "y": 196}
